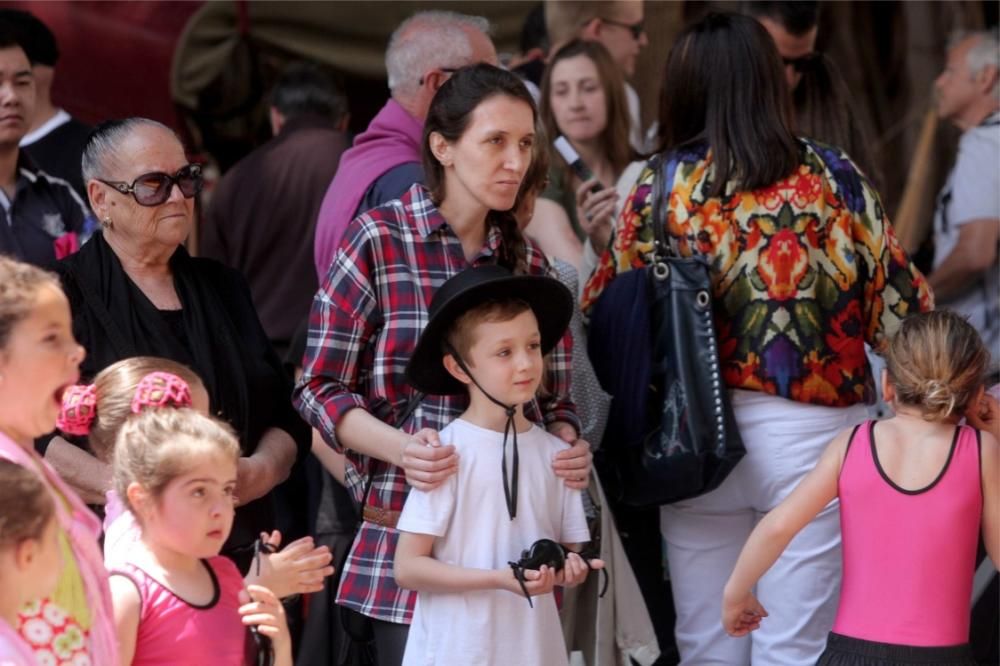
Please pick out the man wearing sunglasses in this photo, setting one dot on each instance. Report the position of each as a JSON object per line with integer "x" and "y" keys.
{"x": 384, "y": 161}
{"x": 619, "y": 25}
{"x": 793, "y": 25}
{"x": 41, "y": 218}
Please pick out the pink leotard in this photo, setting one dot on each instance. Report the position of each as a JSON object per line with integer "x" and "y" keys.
{"x": 909, "y": 555}
{"x": 172, "y": 631}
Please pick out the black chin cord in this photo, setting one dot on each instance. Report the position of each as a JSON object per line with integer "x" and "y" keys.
{"x": 509, "y": 481}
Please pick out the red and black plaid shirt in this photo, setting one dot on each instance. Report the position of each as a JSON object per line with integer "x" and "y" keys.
{"x": 363, "y": 327}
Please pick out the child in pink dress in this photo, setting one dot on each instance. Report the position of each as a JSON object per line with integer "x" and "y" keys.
{"x": 915, "y": 491}
{"x": 99, "y": 410}
{"x": 175, "y": 599}
{"x": 39, "y": 360}
{"x": 29, "y": 555}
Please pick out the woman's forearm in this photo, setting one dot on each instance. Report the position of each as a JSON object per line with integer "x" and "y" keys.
{"x": 266, "y": 467}
{"x": 331, "y": 461}
{"x": 277, "y": 450}
{"x": 84, "y": 473}
{"x": 359, "y": 431}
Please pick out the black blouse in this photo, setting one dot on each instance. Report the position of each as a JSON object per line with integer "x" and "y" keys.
{"x": 216, "y": 333}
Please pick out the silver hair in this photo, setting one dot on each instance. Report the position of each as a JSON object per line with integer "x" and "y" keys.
{"x": 105, "y": 140}
{"x": 985, "y": 52}
{"x": 427, "y": 40}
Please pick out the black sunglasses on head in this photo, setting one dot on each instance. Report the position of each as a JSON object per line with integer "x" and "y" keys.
{"x": 635, "y": 28}
{"x": 152, "y": 189}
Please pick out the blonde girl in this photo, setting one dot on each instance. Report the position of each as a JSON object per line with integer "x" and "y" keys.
{"x": 915, "y": 490}
{"x": 98, "y": 412}
{"x": 39, "y": 360}
{"x": 176, "y": 600}
{"x": 29, "y": 555}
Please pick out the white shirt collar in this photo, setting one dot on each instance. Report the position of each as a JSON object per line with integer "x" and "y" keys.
{"x": 55, "y": 121}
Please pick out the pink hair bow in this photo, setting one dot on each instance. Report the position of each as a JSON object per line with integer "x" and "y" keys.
{"x": 79, "y": 407}
{"x": 158, "y": 389}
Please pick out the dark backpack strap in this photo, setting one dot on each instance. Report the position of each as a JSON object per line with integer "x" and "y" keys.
{"x": 663, "y": 181}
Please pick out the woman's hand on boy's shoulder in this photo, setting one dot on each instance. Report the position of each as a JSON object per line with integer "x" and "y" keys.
{"x": 572, "y": 465}
{"x": 425, "y": 461}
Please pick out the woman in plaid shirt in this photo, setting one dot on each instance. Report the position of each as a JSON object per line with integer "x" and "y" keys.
{"x": 368, "y": 314}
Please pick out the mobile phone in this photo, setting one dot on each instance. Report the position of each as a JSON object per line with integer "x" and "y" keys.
{"x": 575, "y": 162}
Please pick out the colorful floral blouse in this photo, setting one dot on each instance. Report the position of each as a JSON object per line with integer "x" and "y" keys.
{"x": 804, "y": 272}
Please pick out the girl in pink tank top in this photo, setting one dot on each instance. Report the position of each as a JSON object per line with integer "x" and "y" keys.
{"x": 915, "y": 490}
{"x": 175, "y": 600}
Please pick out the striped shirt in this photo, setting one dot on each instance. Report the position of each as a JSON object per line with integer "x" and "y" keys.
{"x": 363, "y": 327}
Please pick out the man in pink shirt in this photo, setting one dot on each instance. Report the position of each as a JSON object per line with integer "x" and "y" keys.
{"x": 385, "y": 159}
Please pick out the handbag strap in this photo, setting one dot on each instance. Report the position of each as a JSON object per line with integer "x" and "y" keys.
{"x": 663, "y": 180}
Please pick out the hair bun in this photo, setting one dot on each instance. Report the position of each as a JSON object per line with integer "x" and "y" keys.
{"x": 939, "y": 397}
{"x": 158, "y": 389}
{"x": 79, "y": 408}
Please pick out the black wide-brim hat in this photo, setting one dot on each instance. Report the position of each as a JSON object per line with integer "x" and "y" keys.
{"x": 551, "y": 302}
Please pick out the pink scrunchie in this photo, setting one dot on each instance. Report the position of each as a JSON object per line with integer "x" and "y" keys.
{"x": 79, "y": 407}
{"x": 158, "y": 389}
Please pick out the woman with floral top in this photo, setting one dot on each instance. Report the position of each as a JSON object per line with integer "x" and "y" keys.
{"x": 805, "y": 271}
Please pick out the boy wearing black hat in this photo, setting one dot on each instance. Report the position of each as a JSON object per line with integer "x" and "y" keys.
{"x": 487, "y": 334}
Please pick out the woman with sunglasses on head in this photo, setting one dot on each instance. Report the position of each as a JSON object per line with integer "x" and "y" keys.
{"x": 805, "y": 270}
{"x": 134, "y": 290}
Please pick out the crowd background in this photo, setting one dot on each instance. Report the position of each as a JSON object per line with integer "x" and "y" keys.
{"x": 207, "y": 67}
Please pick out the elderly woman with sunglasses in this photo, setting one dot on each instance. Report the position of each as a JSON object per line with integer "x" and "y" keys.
{"x": 134, "y": 290}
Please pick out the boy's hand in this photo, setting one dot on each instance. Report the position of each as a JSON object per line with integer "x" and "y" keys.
{"x": 536, "y": 582}
{"x": 575, "y": 570}
{"x": 425, "y": 461}
{"x": 572, "y": 465}
{"x": 262, "y": 609}
{"x": 741, "y": 616}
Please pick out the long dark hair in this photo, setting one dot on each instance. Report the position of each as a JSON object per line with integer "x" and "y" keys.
{"x": 449, "y": 115}
{"x": 724, "y": 85}
{"x": 823, "y": 112}
{"x": 615, "y": 135}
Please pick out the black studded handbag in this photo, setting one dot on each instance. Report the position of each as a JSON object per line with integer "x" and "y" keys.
{"x": 676, "y": 436}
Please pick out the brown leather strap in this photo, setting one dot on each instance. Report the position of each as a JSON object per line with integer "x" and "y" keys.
{"x": 381, "y": 516}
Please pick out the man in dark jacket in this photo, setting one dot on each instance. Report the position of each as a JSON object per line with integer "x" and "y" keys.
{"x": 262, "y": 216}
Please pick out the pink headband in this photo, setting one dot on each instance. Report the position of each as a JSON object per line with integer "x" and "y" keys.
{"x": 157, "y": 389}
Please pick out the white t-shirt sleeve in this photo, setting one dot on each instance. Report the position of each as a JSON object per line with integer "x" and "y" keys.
{"x": 429, "y": 512}
{"x": 974, "y": 193}
{"x": 574, "y": 522}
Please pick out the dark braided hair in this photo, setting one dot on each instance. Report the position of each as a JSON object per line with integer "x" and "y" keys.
{"x": 449, "y": 115}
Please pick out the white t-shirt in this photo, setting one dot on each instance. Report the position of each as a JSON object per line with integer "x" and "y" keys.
{"x": 972, "y": 192}
{"x": 468, "y": 515}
